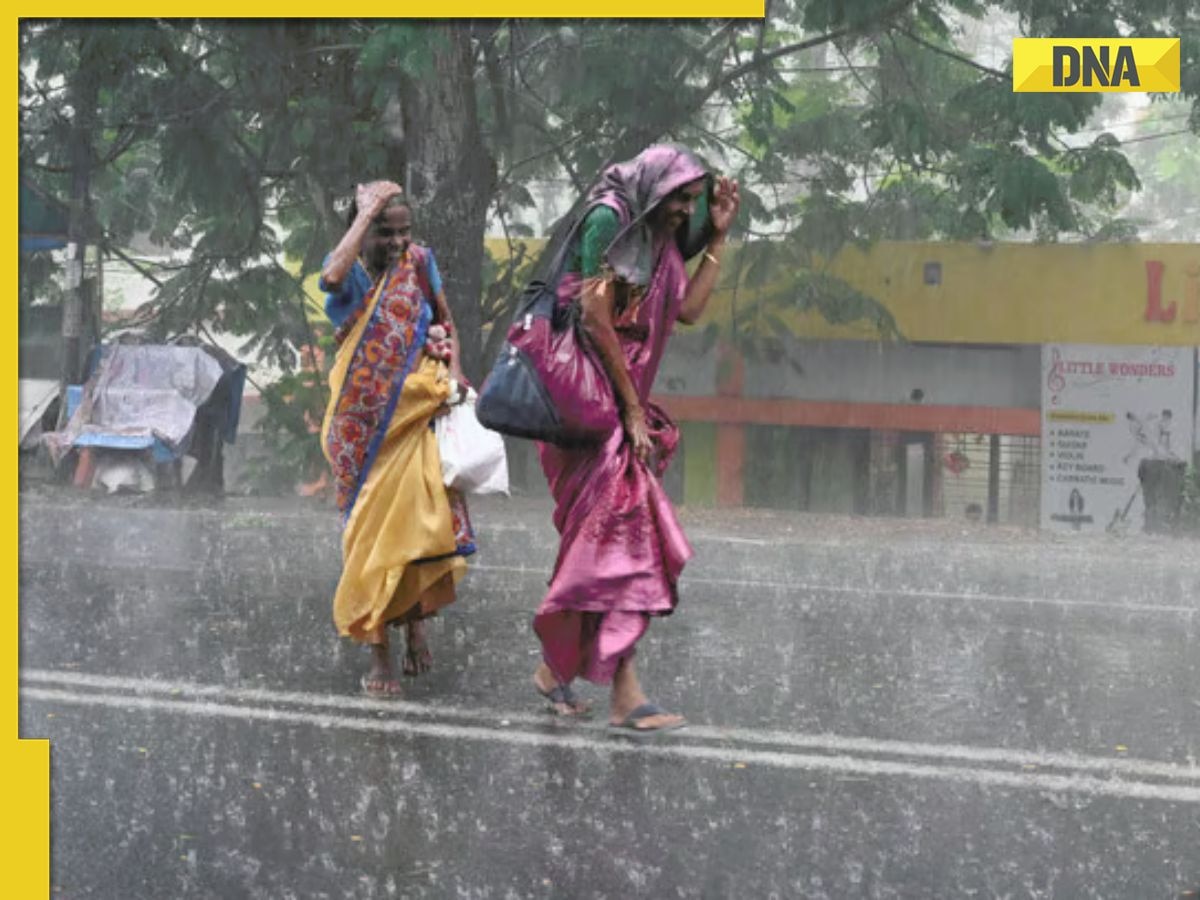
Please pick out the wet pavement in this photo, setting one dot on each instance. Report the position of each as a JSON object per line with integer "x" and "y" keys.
{"x": 880, "y": 709}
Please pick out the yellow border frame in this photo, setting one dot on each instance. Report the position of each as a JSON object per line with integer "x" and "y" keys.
{"x": 25, "y": 764}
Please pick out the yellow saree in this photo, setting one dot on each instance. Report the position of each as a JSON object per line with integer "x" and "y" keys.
{"x": 405, "y": 536}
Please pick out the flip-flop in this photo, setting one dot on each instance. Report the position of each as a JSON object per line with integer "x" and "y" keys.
{"x": 629, "y": 725}
{"x": 380, "y": 693}
{"x": 562, "y": 693}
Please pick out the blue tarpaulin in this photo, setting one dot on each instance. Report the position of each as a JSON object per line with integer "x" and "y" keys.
{"x": 42, "y": 220}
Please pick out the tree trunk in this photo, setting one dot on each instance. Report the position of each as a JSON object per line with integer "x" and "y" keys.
{"x": 84, "y": 93}
{"x": 451, "y": 178}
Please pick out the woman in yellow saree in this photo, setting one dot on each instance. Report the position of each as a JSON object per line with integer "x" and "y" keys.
{"x": 405, "y": 536}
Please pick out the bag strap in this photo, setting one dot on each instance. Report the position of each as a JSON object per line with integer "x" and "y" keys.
{"x": 558, "y": 266}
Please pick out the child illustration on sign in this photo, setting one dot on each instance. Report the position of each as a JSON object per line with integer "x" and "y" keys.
{"x": 1151, "y": 436}
{"x": 1140, "y": 431}
{"x": 1151, "y": 440}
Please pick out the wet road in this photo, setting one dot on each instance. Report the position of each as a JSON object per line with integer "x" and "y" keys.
{"x": 872, "y": 716}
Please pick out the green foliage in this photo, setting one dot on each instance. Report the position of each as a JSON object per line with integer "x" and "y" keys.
{"x": 294, "y": 408}
{"x": 1167, "y": 208}
{"x": 237, "y": 143}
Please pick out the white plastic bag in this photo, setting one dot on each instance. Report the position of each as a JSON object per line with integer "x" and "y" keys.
{"x": 473, "y": 458}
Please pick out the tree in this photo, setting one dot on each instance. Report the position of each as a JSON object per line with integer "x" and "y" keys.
{"x": 1167, "y": 154}
{"x": 234, "y": 141}
{"x": 81, "y": 114}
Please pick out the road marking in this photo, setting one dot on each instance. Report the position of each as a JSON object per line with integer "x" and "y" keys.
{"x": 1127, "y": 778}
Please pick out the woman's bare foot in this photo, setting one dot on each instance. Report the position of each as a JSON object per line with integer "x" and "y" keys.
{"x": 417, "y": 658}
{"x": 562, "y": 700}
{"x": 628, "y": 698}
{"x": 380, "y": 680}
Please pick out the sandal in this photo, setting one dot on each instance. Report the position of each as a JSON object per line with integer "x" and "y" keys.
{"x": 646, "y": 711}
{"x": 562, "y": 694}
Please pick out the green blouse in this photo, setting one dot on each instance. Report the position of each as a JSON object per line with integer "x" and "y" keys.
{"x": 601, "y": 227}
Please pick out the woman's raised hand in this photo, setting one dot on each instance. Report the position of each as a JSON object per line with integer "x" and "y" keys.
{"x": 725, "y": 204}
{"x": 373, "y": 196}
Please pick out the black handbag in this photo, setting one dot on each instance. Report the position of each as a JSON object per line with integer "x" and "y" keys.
{"x": 547, "y": 383}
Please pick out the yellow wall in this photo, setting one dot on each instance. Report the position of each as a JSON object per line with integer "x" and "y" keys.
{"x": 1016, "y": 293}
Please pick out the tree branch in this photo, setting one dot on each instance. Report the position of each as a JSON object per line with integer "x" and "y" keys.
{"x": 555, "y": 150}
{"x": 854, "y": 72}
{"x": 120, "y": 145}
{"x": 769, "y": 56}
{"x": 131, "y": 262}
{"x": 705, "y": 49}
{"x": 495, "y": 78}
{"x": 950, "y": 54}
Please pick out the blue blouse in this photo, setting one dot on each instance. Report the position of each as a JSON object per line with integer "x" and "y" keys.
{"x": 340, "y": 304}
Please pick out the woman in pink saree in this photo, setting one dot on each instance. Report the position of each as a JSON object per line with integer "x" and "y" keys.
{"x": 622, "y": 548}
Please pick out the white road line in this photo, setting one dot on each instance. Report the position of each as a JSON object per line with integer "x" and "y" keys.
{"x": 841, "y": 765}
{"x": 888, "y": 592}
{"x": 501, "y": 723}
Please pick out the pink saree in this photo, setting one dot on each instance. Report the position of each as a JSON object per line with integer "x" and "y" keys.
{"x": 622, "y": 548}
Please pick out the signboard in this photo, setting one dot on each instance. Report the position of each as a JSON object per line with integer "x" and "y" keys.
{"x": 1196, "y": 420}
{"x": 1104, "y": 410}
